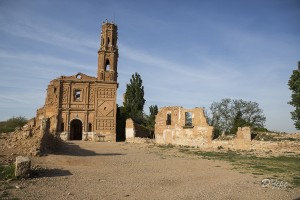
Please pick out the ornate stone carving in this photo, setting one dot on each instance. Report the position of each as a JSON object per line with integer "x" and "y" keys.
{"x": 106, "y": 93}
{"x": 105, "y": 124}
{"x": 105, "y": 108}
{"x": 65, "y": 95}
{"x": 92, "y": 96}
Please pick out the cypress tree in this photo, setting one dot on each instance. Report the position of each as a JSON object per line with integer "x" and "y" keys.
{"x": 294, "y": 84}
{"x": 134, "y": 98}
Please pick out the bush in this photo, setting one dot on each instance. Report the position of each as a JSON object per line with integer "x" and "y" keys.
{"x": 261, "y": 129}
{"x": 12, "y": 123}
{"x": 7, "y": 172}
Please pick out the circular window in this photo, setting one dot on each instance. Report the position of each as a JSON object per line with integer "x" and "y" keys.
{"x": 78, "y": 76}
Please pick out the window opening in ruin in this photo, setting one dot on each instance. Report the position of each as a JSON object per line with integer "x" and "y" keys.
{"x": 77, "y": 95}
{"x": 62, "y": 126}
{"x": 107, "y": 65}
{"x": 55, "y": 90}
{"x": 168, "y": 122}
{"x": 90, "y": 127}
{"x": 108, "y": 41}
{"x": 188, "y": 119}
{"x": 78, "y": 76}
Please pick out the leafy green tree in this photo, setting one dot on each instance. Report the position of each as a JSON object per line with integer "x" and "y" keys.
{"x": 229, "y": 114}
{"x": 238, "y": 122}
{"x": 294, "y": 85}
{"x": 134, "y": 98}
{"x": 12, "y": 123}
{"x": 150, "y": 121}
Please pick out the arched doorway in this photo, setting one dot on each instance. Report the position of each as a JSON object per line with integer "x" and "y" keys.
{"x": 76, "y": 130}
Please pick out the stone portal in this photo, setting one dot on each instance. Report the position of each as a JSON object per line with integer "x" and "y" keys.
{"x": 76, "y": 130}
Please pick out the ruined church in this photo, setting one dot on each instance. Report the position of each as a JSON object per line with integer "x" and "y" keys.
{"x": 82, "y": 107}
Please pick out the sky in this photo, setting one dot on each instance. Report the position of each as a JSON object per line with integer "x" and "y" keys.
{"x": 189, "y": 53}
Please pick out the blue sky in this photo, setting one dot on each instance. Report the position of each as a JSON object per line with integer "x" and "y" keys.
{"x": 188, "y": 53}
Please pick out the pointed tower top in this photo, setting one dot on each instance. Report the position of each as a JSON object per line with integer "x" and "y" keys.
{"x": 108, "y": 53}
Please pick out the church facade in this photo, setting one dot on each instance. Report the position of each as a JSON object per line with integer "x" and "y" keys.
{"x": 82, "y": 107}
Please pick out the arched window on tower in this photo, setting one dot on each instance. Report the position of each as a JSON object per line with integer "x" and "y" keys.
{"x": 107, "y": 65}
{"x": 108, "y": 41}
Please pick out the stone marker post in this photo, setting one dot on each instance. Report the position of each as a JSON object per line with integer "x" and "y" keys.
{"x": 23, "y": 165}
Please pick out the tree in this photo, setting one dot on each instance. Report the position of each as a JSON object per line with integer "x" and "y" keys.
{"x": 294, "y": 85}
{"x": 229, "y": 114}
{"x": 134, "y": 98}
{"x": 150, "y": 121}
{"x": 238, "y": 122}
{"x": 12, "y": 123}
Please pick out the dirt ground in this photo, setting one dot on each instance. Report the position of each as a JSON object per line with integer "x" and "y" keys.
{"x": 98, "y": 170}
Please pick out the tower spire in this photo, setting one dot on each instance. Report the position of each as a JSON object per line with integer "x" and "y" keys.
{"x": 108, "y": 53}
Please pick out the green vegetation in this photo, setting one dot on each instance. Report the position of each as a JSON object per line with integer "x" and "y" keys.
{"x": 269, "y": 136}
{"x": 133, "y": 107}
{"x": 12, "y": 123}
{"x": 168, "y": 146}
{"x": 229, "y": 114}
{"x": 283, "y": 167}
{"x": 294, "y": 85}
{"x": 134, "y": 99}
{"x": 150, "y": 120}
{"x": 7, "y": 172}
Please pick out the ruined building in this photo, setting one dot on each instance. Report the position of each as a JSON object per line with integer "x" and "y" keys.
{"x": 82, "y": 107}
{"x": 180, "y": 126}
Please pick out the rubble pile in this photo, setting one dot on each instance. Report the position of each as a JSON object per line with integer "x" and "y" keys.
{"x": 31, "y": 140}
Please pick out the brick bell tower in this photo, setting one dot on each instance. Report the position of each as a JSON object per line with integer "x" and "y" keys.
{"x": 108, "y": 53}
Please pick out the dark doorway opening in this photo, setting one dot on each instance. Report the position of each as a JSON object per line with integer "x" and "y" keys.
{"x": 76, "y": 130}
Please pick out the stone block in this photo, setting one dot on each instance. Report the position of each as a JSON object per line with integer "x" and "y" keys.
{"x": 23, "y": 165}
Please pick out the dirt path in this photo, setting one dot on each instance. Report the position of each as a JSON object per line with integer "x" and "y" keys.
{"x": 88, "y": 170}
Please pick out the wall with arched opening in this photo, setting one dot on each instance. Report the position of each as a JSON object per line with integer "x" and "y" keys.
{"x": 76, "y": 129}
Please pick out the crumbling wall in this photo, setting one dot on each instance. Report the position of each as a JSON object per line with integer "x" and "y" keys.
{"x": 48, "y": 139}
{"x": 180, "y": 126}
{"x": 135, "y": 130}
{"x": 244, "y": 133}
{"x": 34, "y": 138}
{"x": 129, "y": 130}
{"x": 241, "y": 141}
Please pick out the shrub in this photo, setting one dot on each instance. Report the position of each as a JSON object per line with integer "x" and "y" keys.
{"x": 12, "y": 123}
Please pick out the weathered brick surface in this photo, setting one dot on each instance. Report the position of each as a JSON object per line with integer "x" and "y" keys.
{"x": 176, "y": 131}
{"x": 81, "y": 106}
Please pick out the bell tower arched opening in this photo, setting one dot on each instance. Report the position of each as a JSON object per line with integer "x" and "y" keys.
{"x": 107, "y": 65}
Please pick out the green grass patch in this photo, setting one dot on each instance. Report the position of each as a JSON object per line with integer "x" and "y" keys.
{"x": 296, "y": 180}
{"x": 168, "y": 146}
{"x": 284, "y": 167}
{"x": 7, "y": 172}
